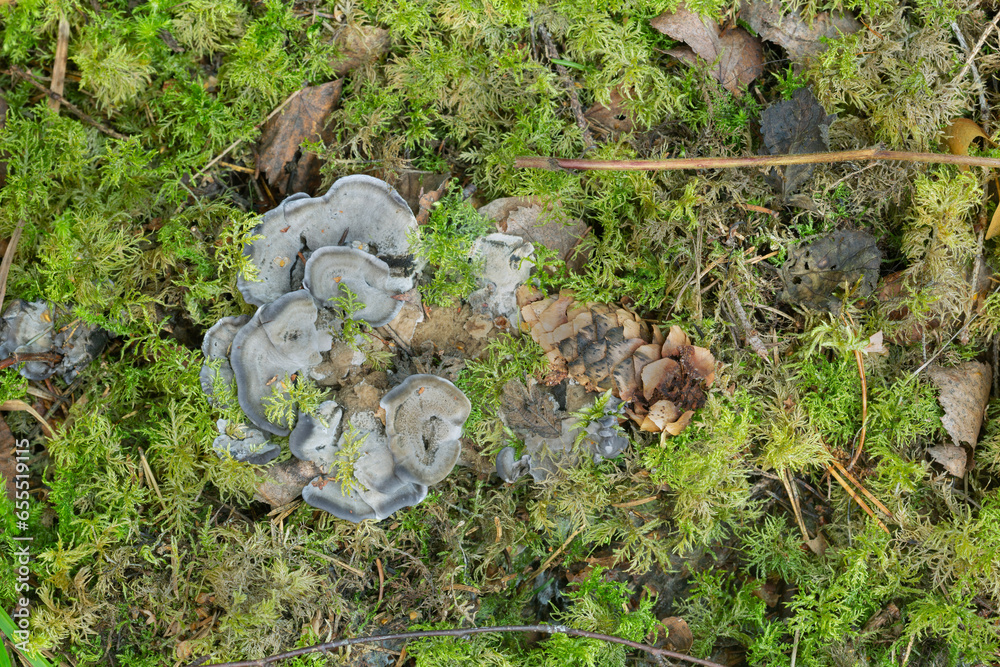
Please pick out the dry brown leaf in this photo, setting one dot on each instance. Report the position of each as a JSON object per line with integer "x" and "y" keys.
{"x": 412, "y": 185}
{"x": 815, "y": 273}
{"x": 613, "y": 119}
{"x": 965, "y": 390}
{"x": 359, "y": 45}
{"x": 541, "y": 223}
{"x": 960, "y": 135}
{"x": 305, "y": 117}
{"x": 679, "y": 636}
{"x": 798, "y": 125}
{"x": 735, "y": 55}
{"x": 282, "y": 483}
{"x": 788, "y": 29}
{"x": 818, "y": 544}
{"x": 953, "y": 459}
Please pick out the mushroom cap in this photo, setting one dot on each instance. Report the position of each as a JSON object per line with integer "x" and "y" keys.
{"x": 311, "y": 440}
{"x": 274, "y": 255}
{"x": 355, "y": 210}
{"x": 423, "y": 418}
{"x": 216, "y": 345}
{"x": 280, "y": 339}
{"x": 510, "y": 469}
{"x": 27, "y": 329}
{"x": 380, "y": 492}
{"x": 253, "y": 447}
{"x": 334, "y": 267}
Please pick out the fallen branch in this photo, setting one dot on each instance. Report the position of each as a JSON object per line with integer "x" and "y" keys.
{"x": 24, "y": 75}
{"x": 463, "y": 632}
{"x": 555, "y": 164}
{"x": 51, "y": 357}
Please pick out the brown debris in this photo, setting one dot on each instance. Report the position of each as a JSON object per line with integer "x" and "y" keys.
{"x": 359, "y": 45}
{"x": 736, "y": 56}
{"x": 965, "y": 391}
{"x": 281, "y": 159}
{"x": 8, "y": 458}
{"x": 282, "y": 482}
{"x": 788, "y": 29}
{"x": 59, "y": 65}
{"x": 798, "y": 125}
{"x": 814, "y": 274}
{"x": 679, "y": 636}
{"x": 541, "y": 223}
{"x": 663, "y": 379}
{"x": 614, "y": 119}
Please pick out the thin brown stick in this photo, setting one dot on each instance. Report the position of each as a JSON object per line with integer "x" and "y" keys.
{"x": 59, "y": 64}
{"x": 236, "y": 143}
{"x": 463, "y": 632}
{"x": 381, "y": 579}
{"x": 864, "y": 409}
{"x": 868, "y": 494}
{"x": 975, "y": 50}
{"x": 861, "y": 503}
{"x": 555, "y": 164}
{"x": 752, "y": 337}
{"x": 150, "y": 478}
{"x": 24, "y": 75}
{"x": 17, "y": 405}
{"x": 8, "y": 259}
{"x": 353, "y": 570}
{"x": 793, "y": 501}
{"x": 50, "y": 357}
{"x": 555, "y": 554}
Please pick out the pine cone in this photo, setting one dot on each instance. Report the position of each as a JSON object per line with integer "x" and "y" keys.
{"x": 661, "y": 379}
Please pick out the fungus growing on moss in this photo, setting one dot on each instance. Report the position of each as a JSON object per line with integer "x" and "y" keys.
{"x": 27, "y": 328}
{"x": 359, "y": 210}
{"x": 244, "y": 443}
{"x": 312, "y": 440}
{"x": 331, "y": 269}
{"x": 280, "y": 339}
{"x": 424, "y": 417}
{"x": 216, "y": 345}
{"x": 510, "y": 469}
{"x": 371, "y": 489}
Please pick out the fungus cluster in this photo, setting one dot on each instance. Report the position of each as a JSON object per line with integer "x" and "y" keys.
{"x": 30, "y": 328}
{"x": 312, "y": 254}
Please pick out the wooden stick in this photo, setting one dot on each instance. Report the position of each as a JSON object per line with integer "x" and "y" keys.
{"x": 972, "y": 54}
{"x": 555, "y": 164}
{"x": 857, "y": 499}
{"x": 59, "y": 65}
{"x": 868, "y": 494}
{"x": 24, "y": 75}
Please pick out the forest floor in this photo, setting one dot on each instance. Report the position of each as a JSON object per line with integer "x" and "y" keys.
{"x": 828, "y": 492}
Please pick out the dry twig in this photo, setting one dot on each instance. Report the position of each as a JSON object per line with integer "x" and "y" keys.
{"x": 8, "y": 259}
{"x": 752, "y": 337}
{"x": 25, "y": 75}
{"x": 59, "y": 65}
{"x": 574, "y": 98}
{"x": 677, "y": 164}
{"x": 975, "y": 50}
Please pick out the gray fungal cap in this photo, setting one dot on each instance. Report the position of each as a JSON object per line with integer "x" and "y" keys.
{"x": 510, "y": 469}
{"x": 377, "y": 492}
{"x": 280, "y": 339}
{"x": 27, "y": 328}
{"x": 312, "y": 440}
{"x": 357, "y": 211}
{"x": 423, "y": 419}
{"x": 244, "y": 443}
{"x": 216, "y": 345}
{"x": 331, "y": 269}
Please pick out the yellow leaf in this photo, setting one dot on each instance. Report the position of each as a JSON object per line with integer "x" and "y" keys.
{"x": 960, "y": 135}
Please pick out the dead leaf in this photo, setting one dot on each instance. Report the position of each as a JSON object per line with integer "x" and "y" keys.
{"x": 541, "y": 223}
{"x": 953, "y": 459}
{"x": 736, "y": 56}
{"x": 818, "y": 544}
{"x": 798, "y": 125}
{"x": 679, "y": 636}
{"x": 959, "y": 136}
{"x": 529, "y": 409}
{"x": 305, "y": 117}
{"x": 8, "y": 460}
{"x": 789, "y": 30}
{"x": 965, "y": 390}
{"x": 814, "y": 274}
{"x": 412, "y": 184}
{"x": 875, "y": 344}
{"x": 613, "y": 119}
{"x": 358, "y": 45}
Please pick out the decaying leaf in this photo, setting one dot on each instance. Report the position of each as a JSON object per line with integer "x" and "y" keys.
{"x": 799, "y": 37}
{"x": 612, "y": 119}
{"x": 8, "y": 459}
{"x": 953, "y": 459}
{"x": 798, "y": 125}
{"x": 541, "y": 223}
{"x": 814, "y": 274}
{"x": 281, "y": 483}
{"x": 412, "y": 185}
{"x": 965, "y": 390}
{"x": 959, "y": 136}
{"x": 527, "y": 408}
{"x": 735, "y": 55}
{"x": 303, "y": 119}
{"x": 679, "y": 636}
{"x": 359, "y": 45}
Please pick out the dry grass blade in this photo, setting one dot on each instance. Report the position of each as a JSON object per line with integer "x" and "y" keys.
{"x": 794, "y": 501}
{"x": 59, "y": 65}
{"x": 15, "y": 405}
{"x": 8, "y": 259}
{"x": 868, "y": 494}
{"x": 861, "y": 503}
{"x": 864, "y": 409}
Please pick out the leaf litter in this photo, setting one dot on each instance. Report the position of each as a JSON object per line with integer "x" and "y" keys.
{"x": 816, "y": 274}
{"x": 795, "y": 126}
{"x": 800, "y": 38}
{"x": 965, "y": 391}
